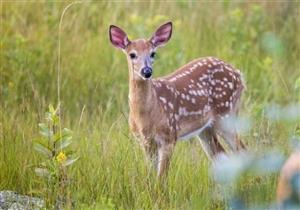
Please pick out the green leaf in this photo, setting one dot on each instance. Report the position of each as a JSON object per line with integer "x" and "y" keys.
{"x": 44, "y": 130}
{"x": 47, "y": 134}
{"x": 70, "y": 161}
{"x": 52, "y": 115}
{"x": 59, "y": 145}
{"x": 51, "y": 109}
{"x": 66, "y": 133}
{"x": 48, "y": 116}
{"x": 43, "y": 126}
{"x": 42, "y": 149}
{"x": 42, "y": 172}
{"x": 55, "y": 119}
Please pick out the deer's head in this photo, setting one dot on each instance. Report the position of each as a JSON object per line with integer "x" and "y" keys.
{"x": 141, "y": 52}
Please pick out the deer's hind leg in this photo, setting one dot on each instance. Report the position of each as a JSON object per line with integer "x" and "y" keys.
{"x": 210, "y": 143}
{"x": 231, "y": 139}
{"x": 230, "y": 135}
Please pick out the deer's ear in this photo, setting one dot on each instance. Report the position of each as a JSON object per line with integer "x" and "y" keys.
{"x": 162, "y": 35}
{"x": 118, "y": 37}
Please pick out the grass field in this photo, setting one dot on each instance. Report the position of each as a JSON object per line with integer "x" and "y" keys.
{"x": 261, "y": 39}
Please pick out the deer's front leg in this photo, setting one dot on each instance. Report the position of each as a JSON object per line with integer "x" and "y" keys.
{"x": 150, "y": 150}
{"x": 165, "y": 151}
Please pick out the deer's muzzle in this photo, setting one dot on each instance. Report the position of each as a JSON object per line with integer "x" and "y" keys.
{"x": 146, "y": 72}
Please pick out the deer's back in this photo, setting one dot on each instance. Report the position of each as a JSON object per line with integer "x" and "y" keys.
{"x": 203, "y": 84}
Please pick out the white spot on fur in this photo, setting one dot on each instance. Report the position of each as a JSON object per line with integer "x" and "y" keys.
{"x": 171, "y": 105}
{"x": 164, "y": 100}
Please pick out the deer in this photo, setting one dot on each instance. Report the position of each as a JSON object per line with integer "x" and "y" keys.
{"x": 191, "y": 102}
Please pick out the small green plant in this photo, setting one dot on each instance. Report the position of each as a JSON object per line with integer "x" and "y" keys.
{"x": 54, "y": 148}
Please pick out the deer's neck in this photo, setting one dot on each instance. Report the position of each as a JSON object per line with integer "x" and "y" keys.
{"x": 141, "y": 96}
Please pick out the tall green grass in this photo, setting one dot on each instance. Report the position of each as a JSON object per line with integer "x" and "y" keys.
{"x": 261, "y": 39}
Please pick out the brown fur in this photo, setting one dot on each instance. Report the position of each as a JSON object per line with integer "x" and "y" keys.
{"x": 152, "y": 123}
{"x": 193, "y": 99}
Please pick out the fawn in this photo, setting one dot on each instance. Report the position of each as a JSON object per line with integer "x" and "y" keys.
{"x": 190, "y": 102}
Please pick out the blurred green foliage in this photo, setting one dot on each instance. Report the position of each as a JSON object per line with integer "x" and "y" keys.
{"x": 261, "y": 39}
{"x": 232, "y": 173}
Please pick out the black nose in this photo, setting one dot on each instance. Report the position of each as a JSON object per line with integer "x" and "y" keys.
{"x": 147, "y": 72}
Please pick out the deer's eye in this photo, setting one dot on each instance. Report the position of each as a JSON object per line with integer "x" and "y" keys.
{"x": 152, "y": 55}
{"x": 132, "y": 55}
